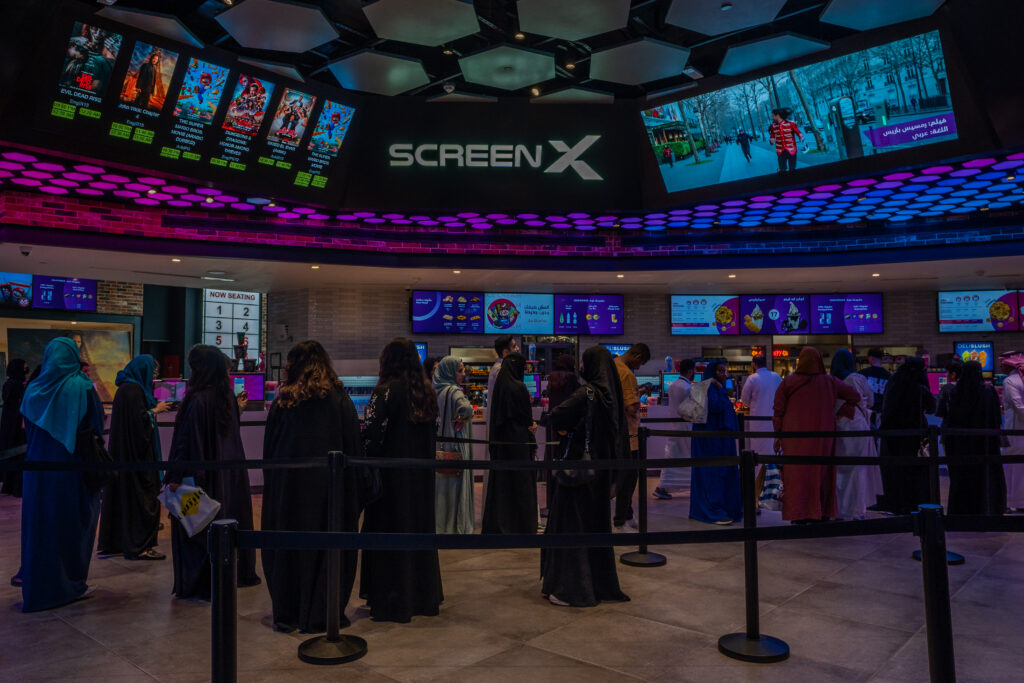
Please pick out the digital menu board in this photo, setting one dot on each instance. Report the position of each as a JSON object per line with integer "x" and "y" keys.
{"x": 15, "y": 290}
{"x": 705, "y": 314}
{"x": 982, "y": 311}
{"x": 421, "y": 349}
{"x": 519, "y": 313}
{"x": 617, "y": 349}
{"x": 63, "y": 293}
{"x": 782, "y": 314}
{"x": 846, "y": 314}
{"x": 984, "y": 352}
{"x": 448, "y": 312}
{"x": 588, "y": 314}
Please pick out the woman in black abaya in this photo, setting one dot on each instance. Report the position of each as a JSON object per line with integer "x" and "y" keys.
{"x": 907, "y": 399}
{"x": 207, "y": 428}
{"x": 510, "y": 506}
{"x": 583, "y": 577}
{"x": 311, "y": 416}
{"x": 12, "y": 428}
{"x": 401, "y": 420}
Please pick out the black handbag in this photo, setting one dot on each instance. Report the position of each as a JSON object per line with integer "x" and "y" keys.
{"x": 89, "y": 449}
{"x": 576, "y": 452}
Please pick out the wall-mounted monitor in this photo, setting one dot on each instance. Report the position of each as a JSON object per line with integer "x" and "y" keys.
{"x": 980, "y": 311}
{"x": 588, "y": 314}
{"x": 855, "y": 105}
{"x": 846, "y": 314}
{"x": 421, "y": 349}
{"x": 617, "y": 349}
{"x": 519, "y": 313}
{"x": 63, "y": 293}
{"x": 770, "y": 314}
{"x": 15, "y": 290}
{"x": 982, "y": 351}
{"x": 251, "y": 384}
{"x": 710, "y": 314}
{"x": 448, "y": 312}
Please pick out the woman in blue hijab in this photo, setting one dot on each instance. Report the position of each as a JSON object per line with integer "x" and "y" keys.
{"x": 131, "y": 511}
{"x": 453, "y": 508}
{"x": 715, "y": 491}
{"x": 58, "y": 511}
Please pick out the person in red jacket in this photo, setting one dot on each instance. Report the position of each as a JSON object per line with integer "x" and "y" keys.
{"x": 784, "y": 134}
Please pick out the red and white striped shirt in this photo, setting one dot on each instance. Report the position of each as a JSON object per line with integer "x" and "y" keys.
{"x": 784, "y": 134}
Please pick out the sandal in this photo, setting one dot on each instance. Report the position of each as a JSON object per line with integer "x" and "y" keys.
{"x": 151, "y": 554}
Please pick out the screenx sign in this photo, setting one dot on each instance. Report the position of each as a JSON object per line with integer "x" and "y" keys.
{"x": 559, "y": 158}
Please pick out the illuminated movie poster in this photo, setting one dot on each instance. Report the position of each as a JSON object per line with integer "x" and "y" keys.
{"x": 89, "y": 61}
{"x": 248, "y": 105}
{"x": 104, "y": 352}
{"x": 201, "y": 91}
{"x": 292, "y": 117}
{"x": 331, "y": 127}
{"x": 149, "y": 74}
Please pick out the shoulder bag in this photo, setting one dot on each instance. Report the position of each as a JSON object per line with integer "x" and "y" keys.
{"x": 574, "y": 453}
{"x": 447, "y": 450}
{"x": 694, "y": 408}
{"x": 89, "y": 449}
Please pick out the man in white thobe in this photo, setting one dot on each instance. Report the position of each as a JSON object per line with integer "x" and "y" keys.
{"x": 676, "y": 447}
{"x": 759, "y": 393}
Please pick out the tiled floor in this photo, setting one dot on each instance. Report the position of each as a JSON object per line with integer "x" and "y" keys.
{"x": 850, "y": 610}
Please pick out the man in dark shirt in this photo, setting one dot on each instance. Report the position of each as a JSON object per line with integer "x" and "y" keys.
{"x": 877, "y": 378}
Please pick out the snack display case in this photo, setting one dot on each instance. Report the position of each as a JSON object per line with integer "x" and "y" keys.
{"x": 359, "y": 388}
{"x": 477, "y": 361}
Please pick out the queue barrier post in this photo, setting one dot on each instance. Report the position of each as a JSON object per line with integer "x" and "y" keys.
{"x": 934, "y": 490}
{"x": 751, "y": 646}
{"x": 928, "y": 525}
{"x": 223, "y": 548}
{"x": 642, "y": 557}
{"x": 334, "y": 648}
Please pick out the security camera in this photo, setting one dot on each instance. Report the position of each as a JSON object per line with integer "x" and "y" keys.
{"x": 449, "y": 88}
{"x": 26, "y": 251}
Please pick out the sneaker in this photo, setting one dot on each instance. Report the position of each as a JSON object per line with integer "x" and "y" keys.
{"x": 662, "y": 494}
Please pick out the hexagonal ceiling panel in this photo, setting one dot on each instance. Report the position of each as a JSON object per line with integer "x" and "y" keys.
{"x": 864, "y": 15}
{"x": 638, "y": 62}
{"x": 766, "y": 51}
{"x": 164, "y": 25}
{"x": 711, "y": 18}
{"x": 457, "y": 96}
{"x": 277, "y": 25}
{"x": 286, "y": 70}
{"x": 508, "y": 67}
{"x": 575, "y": 96}
{"x": 379, "y": 73}
{"x": 572, "y": 19}
{"x": 422, "y": 22}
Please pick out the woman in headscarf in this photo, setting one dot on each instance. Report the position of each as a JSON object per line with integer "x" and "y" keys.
{"x": 907, "y": 399}
{"x": 131, "y": 512}
{"x": 562, "y": 383}
{"x": 810, "y": 400}
{"x": 400, "y": 422}
{"x": 857, "y": 486}
{"x": 583, "y": 577}
{"x": 1013, "y": 418}
{"x": 973, "y": 489}
{"x": 715, "y": 491}
{"x": 12, "y": 429}
{"x": 311, "y": 416}
{"x": 454, "y": 491}
{"x": 510, "y": 505}
{"x": 207, "y": 428}
{"x": 58, "y": 511}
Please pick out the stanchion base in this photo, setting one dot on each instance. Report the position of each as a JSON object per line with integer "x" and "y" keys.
{"x": 951, "y": 558}
{"x": 319, "y": 650}
{"x": 639, "y": 559}
{"x": 763, "y": 650}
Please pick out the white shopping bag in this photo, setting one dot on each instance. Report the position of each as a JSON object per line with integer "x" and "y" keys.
{"x": 191, "y": 506}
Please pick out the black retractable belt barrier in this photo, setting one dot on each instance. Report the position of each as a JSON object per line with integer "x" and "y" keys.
{"x": 751, "y": 646}
{"x": 641, "y": 557}
{"x": 928, "y": 525}
{"x": 223, "y": 549}
{"x": 934, "y": 495}
{"x": 334, "y": 648}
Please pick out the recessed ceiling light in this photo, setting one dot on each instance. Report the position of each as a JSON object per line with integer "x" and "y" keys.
{"x": 732, "y": 276}
{"x": 520, "y": 36}
{"x": 620, "y": 276}
{"x": 876, "y": 275}
{"x": 74, "y": 322}
{"x": 535, "y": 91}
{"x": 447, "y": 51}
{"x": 217, "y": 279}
{"x": 1011, "y": 177}
{"x": 150, "y": 191}
{"x": 456, "y": 272}
{"x": 570, "y": 66}
{"x": 315, "y": 267}
{"x": 271, "y": 204}
{"x": 175, "y": 260}
{"x": 209, "y": 200}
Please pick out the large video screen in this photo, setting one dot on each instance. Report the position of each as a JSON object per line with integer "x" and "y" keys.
{"x": 588, "y": 314}
{"x": 519, "y": 313}
{"x": 64, "y": 293}
{"x": 448, "y": 312}
{"x": 15, "y": 290}
{"x": 886, "y": 98}
{"x": 783, "y": 314}
{"x": 705, "y": 314}
{"x": 984, "y": 352}
{"x": 846, "y": 314}
{"x": 984, "y": 311}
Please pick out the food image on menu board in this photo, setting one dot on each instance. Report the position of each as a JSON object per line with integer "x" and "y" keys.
{"x": 502, "y": 314}
{"x": 787, "y": 314}
{"x": 519, "y": 313}
{"x": 981, "y": 352}
{"x": 201, "y": 91}
{"x": 705, "y": 314}
{"x": 983, "y": 311}
{"x": 846, "y": 314}
{"x": 89, "y": 60}
{"x": 452, "y": 312}
{"x": 248, "y": 105}
{"x": 292, "y": 116}
{"x": 588, "y": 314}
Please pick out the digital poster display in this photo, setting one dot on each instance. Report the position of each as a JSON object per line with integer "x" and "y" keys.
{"x": 447, "y": 312}
{"x": 198, "y": 100}
{"x": 782, "y": 314}
{"x": 324, "y": 144}
{"x": 89, "y": 57}
{"x": 983, "y": 352}
{"x": 846, "y": 314}
{"x": 711, "y": 314}
{"x": 143, "y": 92}
{"x": 15, "y": 290}
{"x": 242, "y": 121}
{"x": 982, "y": 311}
{"x": 287, "y": 128}
{"x": 63, "y": 293}
{"x": 519, "y": 313}
{"x": 588, "y": 314}
{"x": 855, "y": 105}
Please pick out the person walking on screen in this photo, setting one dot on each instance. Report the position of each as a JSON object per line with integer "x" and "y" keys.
{"x": 784, "y": 134}
{"x": 743, "y": 137}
